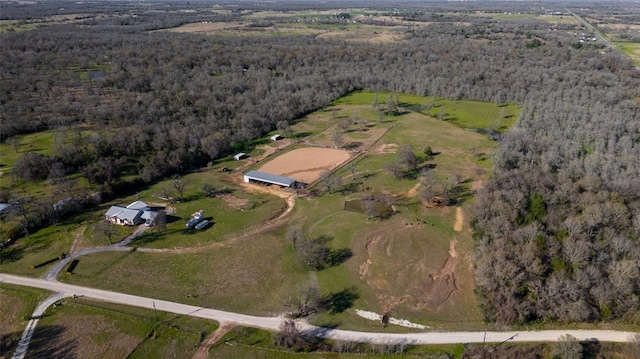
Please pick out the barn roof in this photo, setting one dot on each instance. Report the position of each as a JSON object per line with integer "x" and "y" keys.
{"x": 271, "y": 178}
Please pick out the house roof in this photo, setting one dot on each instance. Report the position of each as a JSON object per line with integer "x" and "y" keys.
{"x": 149, "y": 215}
{"x": 124, "y": 214}
{"x": 138, "y": 205}
{"x": 4, "y": 206}
{"x": 271, "y": 178}
{"x": 113, "y": 211}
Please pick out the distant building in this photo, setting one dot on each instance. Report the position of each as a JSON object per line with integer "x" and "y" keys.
{"x": 239, "y": 156}
{"x": 263, "y": 177}
{"x": 276, "y": 137}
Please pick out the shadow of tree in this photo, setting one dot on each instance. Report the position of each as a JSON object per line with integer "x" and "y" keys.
{"x": 171, "y": 218}
{"x": 591, "y": 348}
{"x": 47, "y": 342}
{"x": 338, "y": 256}
{"x": 458, "y": 194}
{"x": 11, "y": 254}
{"x": 340, "y": 301}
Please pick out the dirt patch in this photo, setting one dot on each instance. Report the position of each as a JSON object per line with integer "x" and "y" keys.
{"x": 306, "y": 164}
{"x": 417, "y": 282}
{"x": 79, "y": 241}
{"x": 414, "y": 191}
{"x": 203, "y": 348}
{"x": 385, "y": 148}
{"x": 477, "y": 185}
{"x": 441, "y": 285}
{"x": 621, "y": 26}
{"x": 459, "y": 220}
{"x": 234, "y": 202}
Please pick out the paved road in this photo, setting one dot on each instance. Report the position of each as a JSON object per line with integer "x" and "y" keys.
{"x": 274, "y": 323}
{"x": 591, "y": 28}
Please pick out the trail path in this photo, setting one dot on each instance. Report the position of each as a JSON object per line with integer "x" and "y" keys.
{"x": 457, "y": 226}
{"x": 213, "y": 338}
{"x": 274, "y": 323}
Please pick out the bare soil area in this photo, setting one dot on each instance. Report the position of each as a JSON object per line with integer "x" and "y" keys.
{"x": 385, "y": 148}
{"x": 234, "y": 202}
{"x": 203, "y": 348}
{"x": 459, "y": 220}
{"x": 306, "y": 164}
{"x": 426, "y": 279}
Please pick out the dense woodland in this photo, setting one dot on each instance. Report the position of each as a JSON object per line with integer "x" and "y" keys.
{"x": 558, "y": 223}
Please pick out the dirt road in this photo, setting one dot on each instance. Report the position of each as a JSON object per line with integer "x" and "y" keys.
{"x": 273, "y": 323}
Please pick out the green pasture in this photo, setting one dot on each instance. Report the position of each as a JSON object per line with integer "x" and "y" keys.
{"x": 242, "y": 267}
{"x": 631, "y": 49}
{"x": 254, "y": 275}
{"x": 85, "y": 328}
{"x": 34, "y": 255}
{"x": 40, "y": 142}
{"x": 14, "y": 26}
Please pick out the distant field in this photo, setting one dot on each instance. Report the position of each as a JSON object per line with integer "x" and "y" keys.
{"x": 631, "y": 49}
{"x": 350, "y": 32}
{"x": 553, "y": 19}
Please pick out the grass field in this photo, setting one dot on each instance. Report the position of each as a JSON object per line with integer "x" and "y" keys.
{"x": 349, "y": 32}
{"x": 631, "y": 49}
{"x": 16, "y": 305}
{"x": 553, "y": 19}
{"x": 87, "y": 329}
{"x": 403, "y": 264}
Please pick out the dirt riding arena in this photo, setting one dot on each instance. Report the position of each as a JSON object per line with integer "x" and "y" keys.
{"x": 306, "y": 164}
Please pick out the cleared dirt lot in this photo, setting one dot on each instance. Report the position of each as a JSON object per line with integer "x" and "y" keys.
{"x": 306, "y": 164}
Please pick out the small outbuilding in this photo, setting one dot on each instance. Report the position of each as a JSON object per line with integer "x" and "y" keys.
{"x": 276, "y": 138}
{"x": 239, "y": 156}
{"x": 263, "y": 177}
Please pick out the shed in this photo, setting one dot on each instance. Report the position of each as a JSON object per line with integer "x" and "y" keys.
{"x": 263, "y": 177}
{"x": 276, "y": 137}
{"x": 239, "y": 156}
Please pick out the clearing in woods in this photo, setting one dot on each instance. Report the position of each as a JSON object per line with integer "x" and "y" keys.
{"x": 415, "y": 264}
